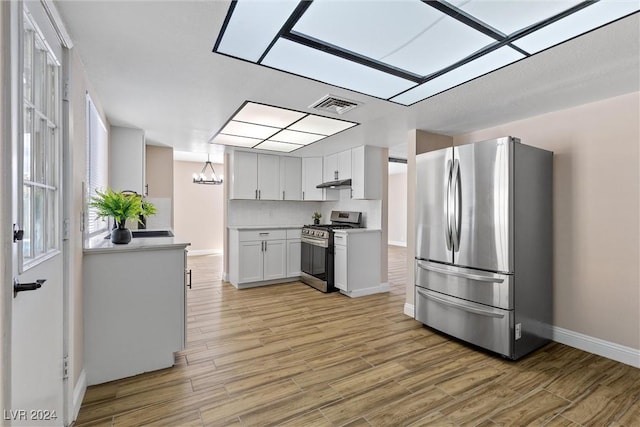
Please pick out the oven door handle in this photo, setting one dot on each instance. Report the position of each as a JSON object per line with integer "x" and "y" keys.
{"x": 323, "y": 243}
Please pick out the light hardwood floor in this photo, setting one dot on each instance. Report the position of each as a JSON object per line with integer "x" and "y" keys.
{"x": 290, "y": 355}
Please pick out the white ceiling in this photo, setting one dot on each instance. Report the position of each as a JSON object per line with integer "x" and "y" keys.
{"x": 152, "y": 67}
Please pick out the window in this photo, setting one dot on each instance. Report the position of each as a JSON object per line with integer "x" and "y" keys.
{"x": 97, "y": 152}
{"x": 41, "y": 135}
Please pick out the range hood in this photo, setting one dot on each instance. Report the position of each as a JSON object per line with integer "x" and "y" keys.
{"x": 340, "y": 183}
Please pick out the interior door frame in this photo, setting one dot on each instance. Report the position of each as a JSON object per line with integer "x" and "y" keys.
{"x": 9, "y": 72}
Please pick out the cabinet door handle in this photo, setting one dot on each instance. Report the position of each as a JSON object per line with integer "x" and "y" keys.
{"x": 283, "y": 195}
{"x": 189, "y": 274}
{"x": 259, "y": 194}
{"x": 303, "y": 195}
{"x": 256, "y": 194}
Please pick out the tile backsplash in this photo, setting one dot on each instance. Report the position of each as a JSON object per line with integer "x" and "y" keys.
{"x": 263, "y": 212}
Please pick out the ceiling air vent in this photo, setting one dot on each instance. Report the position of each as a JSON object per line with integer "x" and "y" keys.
{"x": 333, "y": 104}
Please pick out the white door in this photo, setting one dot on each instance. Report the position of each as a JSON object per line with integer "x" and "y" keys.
{"x": 244, "y": 180}
{"x": 268, "y": 177}
{"x": 251, "y": 261}
{"x": 37, "y": 384}
{"x": 275, "y": 259}
{"x": 291, "y": 178}
{"x": 340, "y": 267}
{"x": 311, "y": 176}
{"x": 294, "y": 252}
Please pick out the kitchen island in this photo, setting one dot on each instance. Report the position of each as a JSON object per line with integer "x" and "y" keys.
{"x": 134, "y": 306}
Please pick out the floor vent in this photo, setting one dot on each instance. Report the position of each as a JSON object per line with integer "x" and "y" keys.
{"x": 334, "y": 104}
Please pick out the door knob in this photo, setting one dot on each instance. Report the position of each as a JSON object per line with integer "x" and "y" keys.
{"x": 20, "y": 287}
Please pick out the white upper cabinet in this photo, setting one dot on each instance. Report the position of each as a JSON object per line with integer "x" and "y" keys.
{"x": 368, "y": 166}
{"x": 312, "y": 176}
{"x": 127, "y": 159}
{"x": 291, "y": 178}
{"x": 244, "y": 175}
{"x": 255, "y": 176}
{"x": 337, "y": 166}
{"x": 268, "y": 177}
{"x": 344, "y": 164}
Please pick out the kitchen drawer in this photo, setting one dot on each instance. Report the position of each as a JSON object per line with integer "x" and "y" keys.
{"x": 294, "y": 233}
{"x": 478, "y": 324}
{"x": 480, "y": 286}
{"x": 266, "y": 234}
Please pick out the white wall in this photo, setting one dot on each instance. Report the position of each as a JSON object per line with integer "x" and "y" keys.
{"x": 197, "y": 209}
{"x": 398, "y": 206}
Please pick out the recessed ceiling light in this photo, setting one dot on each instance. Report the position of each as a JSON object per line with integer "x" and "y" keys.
{"x": 266, "y": 127}
{"x": 339, "y": 43}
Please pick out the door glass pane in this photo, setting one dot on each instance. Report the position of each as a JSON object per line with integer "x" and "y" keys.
{"x": 28, "y": 133}
{"x": 39, "y": 150}
{"x": 39, "y": 221}
{"x": 26, "y": 241}
{"x": 51, "y": 159}
{"x": 27, "y": 72}
{"x": 51, "y": 92}
{"x": 40, "y": 80}
{"x": 51, "y": 228}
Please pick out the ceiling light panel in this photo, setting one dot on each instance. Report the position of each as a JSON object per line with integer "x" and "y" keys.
{"x": 267, "y": 115}
{"x": 487, "y": 63}
{"x": 277, "y": 146}
{"x": 253, "y": 27}
{"x": 321, "y": 125}
{"x": 248, "y": 129}
{"x": 305, "y": 61}
{"x": 243, "y": 130}
{"x": 237, "y": 141}
{"x": 406, "y": 34}
{"x": 587, "y": 19}
{"x": 295, "y": 137}
{"x": 511, "y": 16}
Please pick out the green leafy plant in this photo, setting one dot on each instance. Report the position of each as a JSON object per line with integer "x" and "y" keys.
{"x": 147, "y": 208}
{"x": 317, "y": 215}
{"x": 120, "y": 206}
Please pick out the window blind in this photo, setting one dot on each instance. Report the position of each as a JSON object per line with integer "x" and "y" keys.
{"x": 97, "y": 164}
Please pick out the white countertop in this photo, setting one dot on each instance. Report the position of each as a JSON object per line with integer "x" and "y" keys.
{"x": 99, "y": 244}
{"x": 358, "y": 230}
{"x": 263, "y": 227}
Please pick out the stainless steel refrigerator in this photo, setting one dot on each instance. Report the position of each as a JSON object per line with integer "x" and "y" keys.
{"x": 483, "y": 246}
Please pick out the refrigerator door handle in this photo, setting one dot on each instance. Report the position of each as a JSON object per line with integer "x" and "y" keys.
{"x": 464, "y": 275}
{"x": 447, "y": 208}
{"x": 461, "y": 306}
{"x": 457, "y": 206}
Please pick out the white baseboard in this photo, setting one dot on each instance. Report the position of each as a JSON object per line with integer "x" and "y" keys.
{"x": 613, "y": 351}
{"x": 410, "y": 310}
{"x": 200, "y": 252}
{"x": 78, "y": 394}
{"x": 384, "y": 287}
{"x": 394, "y": 243}
{"x": 617, "y": 352}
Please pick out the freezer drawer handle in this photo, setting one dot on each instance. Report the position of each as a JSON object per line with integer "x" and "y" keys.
{"x": 476, "y": 277}
{"x": 463, "y": 307}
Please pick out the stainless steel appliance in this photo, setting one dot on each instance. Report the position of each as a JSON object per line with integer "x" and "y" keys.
{"x": 483, "y": 246}
{"x": 318, "y": 249}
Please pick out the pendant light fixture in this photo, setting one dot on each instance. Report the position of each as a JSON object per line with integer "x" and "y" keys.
{"x": 202, "y": 177}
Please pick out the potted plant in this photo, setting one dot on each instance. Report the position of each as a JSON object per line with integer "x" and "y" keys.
{"x": 316, "y": 217}
{"x": 120, "y": 207}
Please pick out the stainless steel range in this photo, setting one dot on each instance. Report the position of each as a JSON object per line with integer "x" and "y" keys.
{"x": 318, "y": 249}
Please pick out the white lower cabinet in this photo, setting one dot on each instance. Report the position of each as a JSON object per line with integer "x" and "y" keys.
{"x": 275, "y": 259}
{"x": 265, "y": 256}
{"x": 294, "y": 251}
{"x": 134, "y": 318}
{"x": 251, "y": 259}
{"x": 356, "y": 263}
